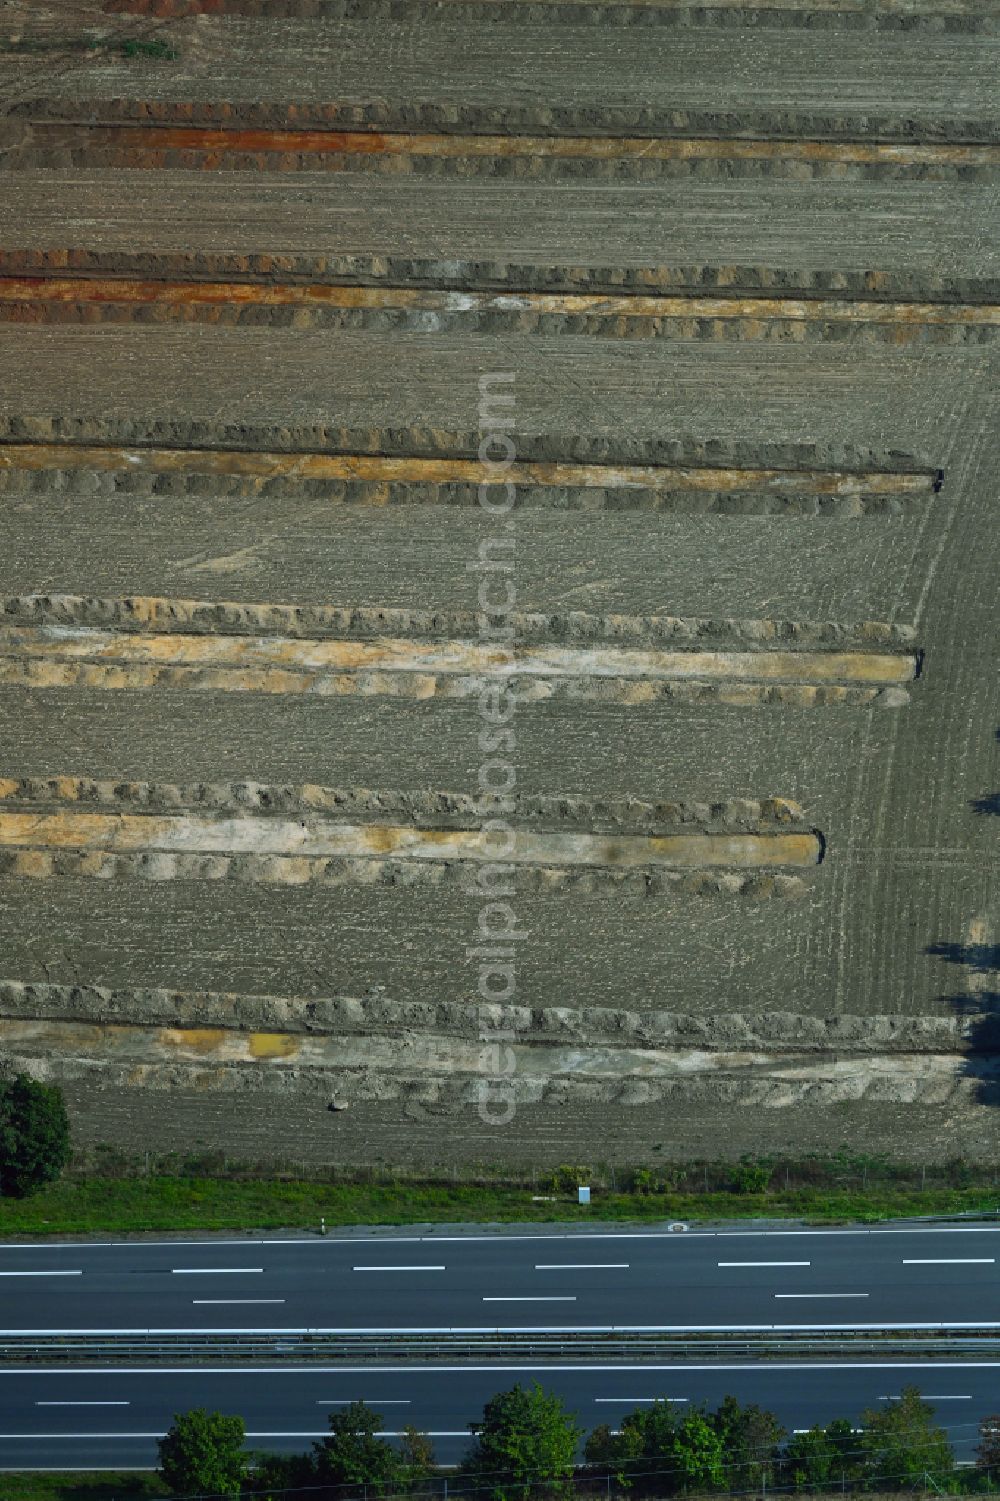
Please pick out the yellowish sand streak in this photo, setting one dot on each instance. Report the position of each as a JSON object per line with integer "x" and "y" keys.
{"x": 379, "y": 469}
{"x": 136, "y": 292}
{"x": 128, "y": 833}
{"x": 58, "y": 644}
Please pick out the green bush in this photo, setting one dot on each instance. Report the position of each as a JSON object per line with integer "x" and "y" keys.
{"x": 202, "y": 1454}
{"x": 751, "y": 1176}
{"x": 526, "y": 1443}
{"x": 157, "y": 49}
{"x": 901, "y": 1444}
{"x": 566, "y": 1179}
{"x": 34, "y": 1135}
{"x": 353, "y": 1454}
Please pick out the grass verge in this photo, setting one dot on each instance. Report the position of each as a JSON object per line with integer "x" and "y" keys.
{"x": 102, "y": 1205}
{"x": 111, "y": 1485}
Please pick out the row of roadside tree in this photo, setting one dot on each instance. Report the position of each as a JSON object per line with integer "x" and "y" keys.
{"x": 528, "y": 1445}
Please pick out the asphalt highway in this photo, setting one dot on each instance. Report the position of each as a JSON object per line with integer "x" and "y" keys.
{"x": 106, "y": 1418}
{"x": 556, "y": 1280}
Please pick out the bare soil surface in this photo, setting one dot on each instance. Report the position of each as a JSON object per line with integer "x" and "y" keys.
{"x": 216, "y": 995}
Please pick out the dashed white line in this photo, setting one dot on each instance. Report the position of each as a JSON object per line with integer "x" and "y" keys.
{"x": 400, "y": 1269}
{"x": 763, "y": 1263}
{"x": 626, "y": 1400}
{"x": 214, "y": 1271}
{"x": 822, "y": 1295}
{"x": 216, "y": 1302}
{"x": 42, "y": 1274}
{"x": 949, "y": 1260}
{"x": 530, "y": 1300}
{"x": 346, "y": 1401}
{"x": 896, "y": 1397}
{"x": 581, "y": 1266}
{"x": 83, "y": 1404}
{"x": 383, "y": 1433}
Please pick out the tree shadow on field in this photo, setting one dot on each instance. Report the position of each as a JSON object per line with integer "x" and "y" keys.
{"x": 979, "y": 1006}
{"x": 990, "y": 804}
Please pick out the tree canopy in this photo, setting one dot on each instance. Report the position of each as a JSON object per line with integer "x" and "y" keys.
{"x": 202, "y": 1454}
{"x": 901, "y": 1444}
{"x": 34, "y": 1135}
{"x": 527, "y": 1441}
{"x": 353, "y": 1453}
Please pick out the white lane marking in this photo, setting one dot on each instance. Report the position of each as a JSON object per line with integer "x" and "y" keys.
{"x": 719, "y": 1234}
{"x": 949, "y": 1260}
{"x": 214, "y": 1271}
{"x": 285, "y": 1331}
{"x": 400, "y": 1269}
{"x": 42, "y": 1274}
{"x": 763, "y": 1263}
{"x": 346, "y": 1401}
{"x": 621, "y": 1400}
{"x": 429, "y": 1367}
{"x": 383, "y": 1433}
{"x": 530, "y": 1300}
{"x": 581, "y": 1266}
{"x": 398, "y": 1240}
{"x": 83, "y": 1404}
{"x": 928, "y": 1398}
{"x": 240, "y": 1302}
{"x": 822, "y": 1295}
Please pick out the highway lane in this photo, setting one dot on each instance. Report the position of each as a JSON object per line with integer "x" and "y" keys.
{"x": 104, "y": 1418}
{"x": 446, "y": 1280}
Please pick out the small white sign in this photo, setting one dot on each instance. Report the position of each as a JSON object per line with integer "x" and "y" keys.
{"x": 583, "y": 1195}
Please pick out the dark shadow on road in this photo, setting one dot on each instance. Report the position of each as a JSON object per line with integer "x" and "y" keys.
{"x": 990, "y": 804}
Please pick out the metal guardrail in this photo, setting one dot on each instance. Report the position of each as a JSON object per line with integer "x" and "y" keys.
{"x": 202, "y": 1349}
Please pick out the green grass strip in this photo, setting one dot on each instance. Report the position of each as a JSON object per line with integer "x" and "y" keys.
{"x": 110, "y": 1485}
{"x": 101, "y": 1205}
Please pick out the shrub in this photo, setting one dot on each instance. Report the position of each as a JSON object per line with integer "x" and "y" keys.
{"x": 526, "y": 1442}
{"x": 202, "y": 1454}
{"x": 353, "y": 1454}
{"x": 34, "y": 1135}
{"x": 750, "y": 1176}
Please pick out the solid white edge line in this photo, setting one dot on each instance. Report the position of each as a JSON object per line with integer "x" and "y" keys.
{"x": 323, "y": 1433}
{"x": 871, "y": 1231}
{"x": 430, "y": 1367}
{"x": 286, "y": 1332}
{"x": 385, "y": 1432}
